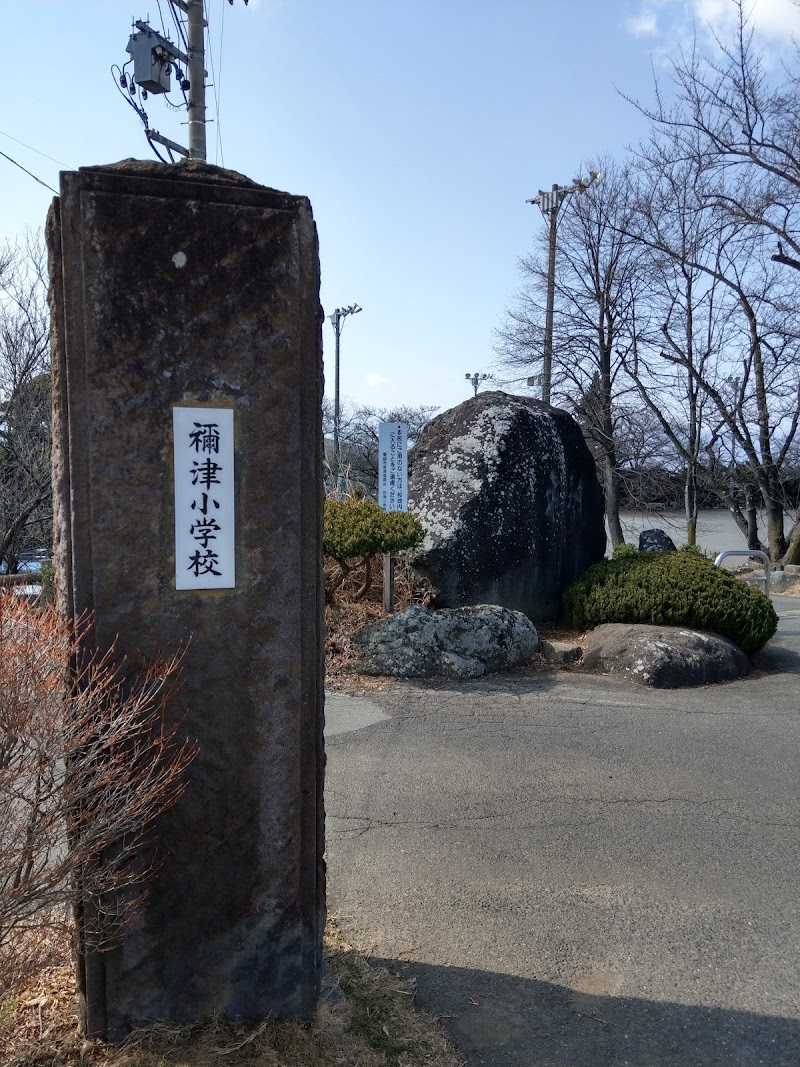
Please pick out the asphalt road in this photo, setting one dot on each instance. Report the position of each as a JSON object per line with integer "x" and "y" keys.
{"x": 577, "y": 871}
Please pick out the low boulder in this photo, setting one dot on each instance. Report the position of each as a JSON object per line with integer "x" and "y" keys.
{"x": 656, "y": 541}
{"x": 560, "y": 653}
{"x": 664, "y": 657}
{"x": 779, "y": 581}
{"x": 459, "y": 643}
{"x": 507, "y": 492}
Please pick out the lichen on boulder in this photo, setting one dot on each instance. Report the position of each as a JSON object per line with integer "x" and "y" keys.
{"x": 460, "y": 643}
{"x": 507, "y": 492}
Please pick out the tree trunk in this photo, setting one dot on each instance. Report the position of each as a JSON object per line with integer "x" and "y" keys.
{"x": 747, "y": 530}
{"x": 690, "y": 500}
{"x": 611, "y": 487}
{"x": 792, "y": 554}
{"x": 336, "y": 580}
{"x": 362, "y": 592}
{"x": 753, "y": 542}
{"x": 776, "y": 537}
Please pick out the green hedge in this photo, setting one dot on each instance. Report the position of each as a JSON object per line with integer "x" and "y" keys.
{"x": 671, "y": 589}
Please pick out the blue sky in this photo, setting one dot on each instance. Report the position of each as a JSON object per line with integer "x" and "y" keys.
{"x": 418, "y": 128}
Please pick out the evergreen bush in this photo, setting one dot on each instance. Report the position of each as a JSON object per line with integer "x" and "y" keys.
{"x": 357, "y": 528}
{"x": 696, "y": 550}
{"x": 625, "y": 550}
{"x": 671, "y": 589}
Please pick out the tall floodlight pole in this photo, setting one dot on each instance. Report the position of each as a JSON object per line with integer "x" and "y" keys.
{"x": 475, "y": 379}
{"x": 196, "y": 107}
{"x": 549, "y": 203}
{"x": 337, "y": 321}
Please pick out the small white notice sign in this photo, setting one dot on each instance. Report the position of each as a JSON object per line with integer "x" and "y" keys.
{"x": 204, "y": 498}
{"x": 392, "y": 466}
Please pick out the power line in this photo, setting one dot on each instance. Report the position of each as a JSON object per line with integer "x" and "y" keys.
{"x": 36, "y": 150}
{"x": 161, "y": 17}
{"x": 216, "y": 81}
{"x": 218, "y": 88}
{"x": 178, "y": 25}
{"x": 39, "y": 180}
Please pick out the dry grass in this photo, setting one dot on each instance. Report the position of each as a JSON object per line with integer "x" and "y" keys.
{"x": 366, "y": 1018}
{"x": 346, "y": 616}
{"x": 38, "y": 1006}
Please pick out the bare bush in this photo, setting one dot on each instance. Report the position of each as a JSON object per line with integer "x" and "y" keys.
{"x": 86, "y": 765}
{"x": 25, "y": 493}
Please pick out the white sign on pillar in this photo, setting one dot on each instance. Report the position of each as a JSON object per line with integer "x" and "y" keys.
{"x": 393, "y": 466}
{"x": 204, "y": 498}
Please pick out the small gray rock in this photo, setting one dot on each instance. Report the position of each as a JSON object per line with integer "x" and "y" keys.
{"x": 665, "y": 657}
{"x": 779, "y": 581}
{"x": 450, "y": 643}
{"x": 560, "y": 652}
{"x": 656, "y": 541}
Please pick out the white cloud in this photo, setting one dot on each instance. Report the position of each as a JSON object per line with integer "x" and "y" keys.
{"x": 645, "y": 24}
{"x": 377, "y": 381}
{"x": 775, "y": 21}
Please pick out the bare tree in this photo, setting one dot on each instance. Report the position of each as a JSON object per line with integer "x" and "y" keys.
{"x": 742, "y": 119}
{"x": 669, "y": 366}
{"x": 25, "y": 492}
{"x": 746, "y": 368}
{"x": 597, "y": 319}
{"x": 358, "y": 433}
{"x": 84, "y": 770}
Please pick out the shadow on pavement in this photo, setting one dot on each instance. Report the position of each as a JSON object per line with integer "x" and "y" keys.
{"x": 503, "y": 1021}
{"x": 780, "y": 654}
{"x": 776, "y": 658}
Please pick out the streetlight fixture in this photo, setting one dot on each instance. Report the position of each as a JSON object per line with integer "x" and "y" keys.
{"x": 337, "y": 321}
{"x": 549, "y": 203}
{"x": 475, "y": 379}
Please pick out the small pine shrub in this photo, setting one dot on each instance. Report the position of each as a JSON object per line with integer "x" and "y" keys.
{"x": 625, "y": 550}
{"x": 671, "y": 589}
{"x": 359, "y": 528}
{"x": 695, "y": 550}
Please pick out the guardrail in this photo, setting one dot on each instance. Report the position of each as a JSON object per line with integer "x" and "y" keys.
{"x": 751, "y": 554}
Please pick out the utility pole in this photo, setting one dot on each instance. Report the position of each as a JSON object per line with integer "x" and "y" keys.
{"x": 548, "y": 204}
{"x": 337, "y": 321}
{"x": 196, "y": 107}
{"x": 155, "y": 57}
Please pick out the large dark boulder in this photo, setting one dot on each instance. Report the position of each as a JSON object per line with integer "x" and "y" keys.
{"x": 507, "y": 492}
{"x": 656, "y": 541}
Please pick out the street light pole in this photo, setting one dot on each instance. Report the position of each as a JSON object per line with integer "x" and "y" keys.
{"x": 548, "y": 204}
{"x": 337, "y": 321}
{"x": 475, "y": 379}
{"x": 547, "y": 364}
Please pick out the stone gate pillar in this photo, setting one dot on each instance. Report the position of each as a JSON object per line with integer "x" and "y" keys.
{"x": 188, "y": 508}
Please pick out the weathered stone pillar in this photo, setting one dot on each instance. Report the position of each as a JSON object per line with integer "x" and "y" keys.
{"x": 176, "y": 286}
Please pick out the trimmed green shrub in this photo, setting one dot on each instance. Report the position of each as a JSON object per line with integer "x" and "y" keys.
{"x": 359, "y": 528}
{"x": 696, "y": 550}
{"x": 671, "y": 589}
{"x": 624, "y": 550}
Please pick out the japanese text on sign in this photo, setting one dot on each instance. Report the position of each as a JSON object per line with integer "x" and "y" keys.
{"x": 392, "y": 466}
{"x": 204, "y": 498}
